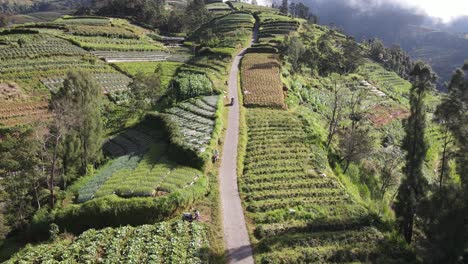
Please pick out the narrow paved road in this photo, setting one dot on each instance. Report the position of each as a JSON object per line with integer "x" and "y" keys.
{"x": 236, "y": 237}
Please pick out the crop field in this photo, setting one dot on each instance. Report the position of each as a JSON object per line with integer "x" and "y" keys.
{"x": 273, "y": 27}
{"x": 140, "y": 168}
{"x": 22, "y": 113}
{"x": 388, "y": 82}
{"x": 41, "y": 61}
{"x": 230, "y": 30}
{"x": 35, "y": 45}
{"x": 169, "y": 69}
{"x": 215, "y": 68}
{"x": 301, "y": 214}
{"x": 92, "y": 21}
{"x": 109, "y": 82}
{"x": 218, "y": 9}
{"x": 192, "y": 122}
{"x": 99, "y": 34}
{"x": 116, "y": 44}
{"x": 261, "y": 82}
{"x": 175, "y": 55}
{"x": 165, "y": 242}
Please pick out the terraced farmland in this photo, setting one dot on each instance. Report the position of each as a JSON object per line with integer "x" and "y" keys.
{"x": 109, "y": 82}
{"x": 261, "y": 82}
{"x": 144, "y": 170}
{"x": 193, "y": 122}
{"x": 218, "y": 9}
{"x": 36, "y": 45}
{"x": 231, "y": 30}
{"x": 301, "y": 214}
{"x": 273, "y": 28}
{"x": 166, "y": 242}
{"x": 388, "y": 82}
{"x": 21, "y": 113}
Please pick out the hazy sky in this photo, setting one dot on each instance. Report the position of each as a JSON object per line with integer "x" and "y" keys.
{"x": 445, "y": 9}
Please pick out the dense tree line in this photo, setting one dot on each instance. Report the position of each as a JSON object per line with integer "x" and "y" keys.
{"x": 393, "y": 59}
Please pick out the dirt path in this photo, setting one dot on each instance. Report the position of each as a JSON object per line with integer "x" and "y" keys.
{"x": 236, "y": 237}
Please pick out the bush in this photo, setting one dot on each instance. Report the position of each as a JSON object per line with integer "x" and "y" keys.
{"x": 189, "y": 85}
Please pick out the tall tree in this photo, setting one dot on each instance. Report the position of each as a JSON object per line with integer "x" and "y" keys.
{"x": 284, "y": 7}
{"x": 355, "y": 142}
{"x": 77, "y": 106}
{"x": 196, "y": 15}
{"x": 414, "y": 186}
{"x": 338, "y": 104}
{"x": 23, "y": 176}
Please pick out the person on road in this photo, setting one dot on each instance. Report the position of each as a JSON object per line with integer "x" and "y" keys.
{"x": 232, "y": 101}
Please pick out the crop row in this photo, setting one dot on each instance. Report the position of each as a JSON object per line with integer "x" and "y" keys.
{"x": 21, "y": 113}
{"x": 115, "y": 44}
{"x": 166, "y": 242}
{"x": 104, "y": 31}
{"x": 293, "y": 204}
{"x": 88, "y": 190}
{"x": 44, "y": 48}
{"x": 109, "y": 82}
{"x": 192, "y": 123}
{"x": 261, "y": 82}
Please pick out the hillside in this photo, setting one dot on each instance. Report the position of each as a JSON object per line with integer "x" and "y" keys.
{"x": 242, "y": 135}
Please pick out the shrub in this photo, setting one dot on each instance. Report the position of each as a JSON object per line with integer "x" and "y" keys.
{"x": 190, "y": 85}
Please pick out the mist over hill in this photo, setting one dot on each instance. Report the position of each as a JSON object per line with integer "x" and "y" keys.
{"x": 443, "y": 45}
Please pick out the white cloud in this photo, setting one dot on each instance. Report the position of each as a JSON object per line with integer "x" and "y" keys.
{"x": 445, "y": 9}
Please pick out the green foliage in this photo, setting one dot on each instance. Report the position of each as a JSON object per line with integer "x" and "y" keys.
{"x": 414, "y": 186}
{"x": 78, "y": 115}
{"x": 169, "y": 69}
{"x": 189, "y": 85}
{"x": 295, "y": 51}
{"x": 393, "y": 59}
{"x": 20, "y": 169}
{"x": 173, "y": 242}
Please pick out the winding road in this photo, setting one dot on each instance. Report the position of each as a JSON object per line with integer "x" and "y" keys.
{"x": 236, "y": 237}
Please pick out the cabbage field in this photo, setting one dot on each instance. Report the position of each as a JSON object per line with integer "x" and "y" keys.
{"x": 165, "y": 242}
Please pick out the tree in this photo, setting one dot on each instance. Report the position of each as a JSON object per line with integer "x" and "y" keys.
{"x": 352, "y": 55}
{"x": 77, "y": 106}
{"x": 146, "y": 90}
{"x": 414, "y": 185}
{"x": 389, "y": 160}
{"x": 355, "y": 142}
{"x": 295, "y": 50}
{"x": 354, "y": 145}
{"x": 337, "y": 106}
{"x": 445, "y": 213}
{"x": 196, "y": 15}
{"x": 284, "y": 7}
{"x": 444, "y": 116}
{"x": 23, "y": 176}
